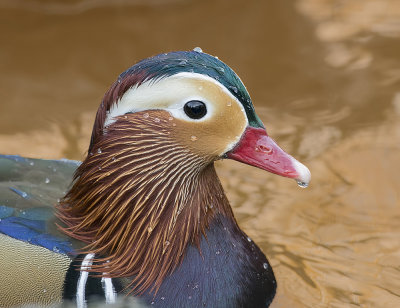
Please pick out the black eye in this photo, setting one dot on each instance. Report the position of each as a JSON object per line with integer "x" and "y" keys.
{"x": 195, "y": 109}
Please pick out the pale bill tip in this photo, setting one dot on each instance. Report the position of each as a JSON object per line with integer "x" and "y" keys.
{"x": 304, "y": 175}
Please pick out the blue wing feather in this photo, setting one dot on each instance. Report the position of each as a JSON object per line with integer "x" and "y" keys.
{"x": 28, "y": 190}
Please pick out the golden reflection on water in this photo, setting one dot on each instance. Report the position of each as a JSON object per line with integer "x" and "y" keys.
{"x": 336, "y": 244}
{"x": 324, "y": 77}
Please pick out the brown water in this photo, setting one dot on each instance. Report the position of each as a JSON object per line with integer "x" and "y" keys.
{"x": 324, "y": 77}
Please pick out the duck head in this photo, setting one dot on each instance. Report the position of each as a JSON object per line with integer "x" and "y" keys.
{"x": 148, "y": 187}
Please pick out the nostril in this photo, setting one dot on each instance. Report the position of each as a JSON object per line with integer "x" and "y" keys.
{"x": 265, "y": 149}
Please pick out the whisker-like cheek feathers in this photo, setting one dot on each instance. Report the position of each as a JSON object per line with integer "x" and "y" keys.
{"x": 141, "y": 188}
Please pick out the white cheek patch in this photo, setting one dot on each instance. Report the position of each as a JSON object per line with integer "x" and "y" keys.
{"x": 170, "y": 94}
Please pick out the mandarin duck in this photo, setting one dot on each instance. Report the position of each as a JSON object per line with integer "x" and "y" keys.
{"x": 145, "y": 216}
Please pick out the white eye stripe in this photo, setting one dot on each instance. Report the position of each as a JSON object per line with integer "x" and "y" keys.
{"x": 170, "y": 94}
{"x": 177, "y": 110}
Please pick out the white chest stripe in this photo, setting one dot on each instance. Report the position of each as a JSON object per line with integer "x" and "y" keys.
{"x": 109, "y": 290}
{"x": 106, "y": 283}
{"x": 80, "y": 292}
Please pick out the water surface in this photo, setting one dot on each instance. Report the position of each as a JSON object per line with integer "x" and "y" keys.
{"x": 324, "y": 77}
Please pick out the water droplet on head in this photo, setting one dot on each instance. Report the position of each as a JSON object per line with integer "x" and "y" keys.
{"x": 302, "y": 184}
{"x": 234, "y": 89}
{"x": 31, "y": 163}
{"x": 47, "y": 180}
{"x": 183, "y": 62}
{"x": 149, "y": 229}
{"x": 157, "y": 120}
{"x": 119, "y": 79}
{"x": 193, "y": 138}
{"x": 162, "y": 298}
{"x": 221, "y": 69}
{"x": 99, "y": 150}
{"x": 99, "y": 168}
{"x": 197, "y": 49}
{"x": 265, "y": 265}
{"x": 170, "y": 118}
{"x": 145, "y": 115}
{"x": 249, "y": 239}
{"x": 167, "y": 243}
{"x": 218, "y": 252}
